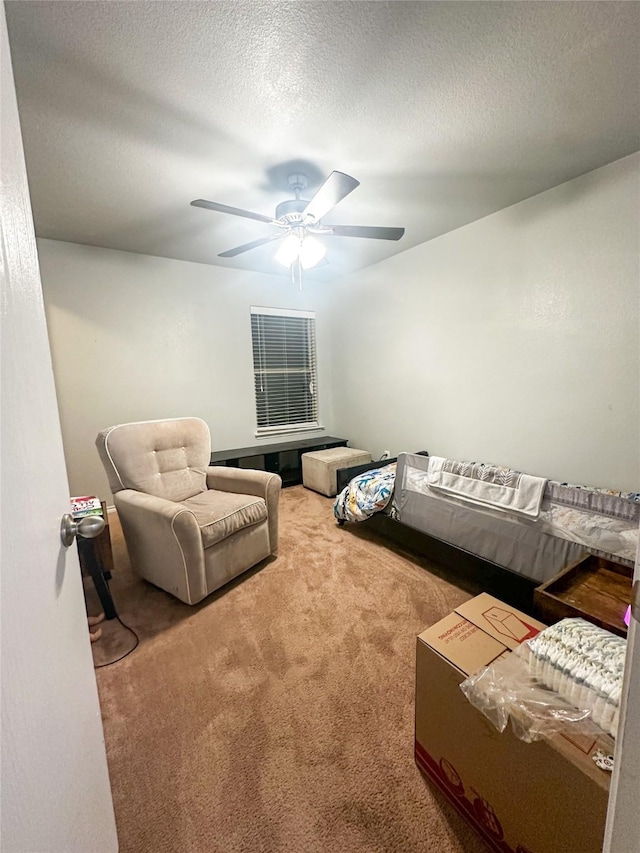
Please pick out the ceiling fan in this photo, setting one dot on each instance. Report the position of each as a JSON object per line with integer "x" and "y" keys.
{"x": 298, "y": 221}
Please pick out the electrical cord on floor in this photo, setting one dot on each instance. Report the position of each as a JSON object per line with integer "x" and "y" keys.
{"x": 122, "y": 657}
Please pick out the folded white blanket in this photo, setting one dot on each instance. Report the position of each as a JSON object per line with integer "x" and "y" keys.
{"x": 489, "y": 486}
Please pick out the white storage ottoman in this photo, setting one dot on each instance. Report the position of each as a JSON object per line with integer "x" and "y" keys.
{"x": 319, "y": 467}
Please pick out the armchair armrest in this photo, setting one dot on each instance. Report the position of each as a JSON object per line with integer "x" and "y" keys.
{"x": 160, "y": 534}
{"x": 246, "y": 481}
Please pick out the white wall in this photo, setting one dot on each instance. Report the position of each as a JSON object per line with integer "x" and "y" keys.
{"x": 135, "y": 337}
{"x": 513, "y": 340}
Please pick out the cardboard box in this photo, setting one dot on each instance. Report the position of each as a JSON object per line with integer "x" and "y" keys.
{"x": 541, "y": 797}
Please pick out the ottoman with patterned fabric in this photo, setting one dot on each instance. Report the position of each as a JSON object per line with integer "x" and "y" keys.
{"x": 319, "y": 467}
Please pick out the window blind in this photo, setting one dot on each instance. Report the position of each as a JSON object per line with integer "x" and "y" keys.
{"x": 284, "y": 368}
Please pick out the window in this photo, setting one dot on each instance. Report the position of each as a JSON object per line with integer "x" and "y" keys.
{"x": 284, "y": 369}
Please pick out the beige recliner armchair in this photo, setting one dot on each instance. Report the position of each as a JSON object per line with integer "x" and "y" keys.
{"x": 189, "y": 528}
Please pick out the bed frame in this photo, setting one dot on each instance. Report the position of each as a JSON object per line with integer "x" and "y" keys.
{"x": 463, "y": 568}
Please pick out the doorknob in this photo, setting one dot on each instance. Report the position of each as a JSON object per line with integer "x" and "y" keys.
{"x": 88, "y": 527}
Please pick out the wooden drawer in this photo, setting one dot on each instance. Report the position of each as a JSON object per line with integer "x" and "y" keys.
{"x": 594, "y": 588}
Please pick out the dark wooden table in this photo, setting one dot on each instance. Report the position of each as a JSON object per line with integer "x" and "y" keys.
{"x": 96, "y": 561}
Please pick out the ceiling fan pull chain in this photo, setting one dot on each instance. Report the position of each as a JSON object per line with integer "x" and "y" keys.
{"x": 296, "y": 273}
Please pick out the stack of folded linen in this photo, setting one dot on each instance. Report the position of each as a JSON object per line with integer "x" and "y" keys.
{"x": 582, "y": 663}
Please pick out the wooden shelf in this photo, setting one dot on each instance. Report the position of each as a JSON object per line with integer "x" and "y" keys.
{"x": 282, "y": 458}
{"x": 596, "y": 589}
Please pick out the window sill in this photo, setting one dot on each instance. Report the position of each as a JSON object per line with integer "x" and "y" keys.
{"x": 275, "y": 431}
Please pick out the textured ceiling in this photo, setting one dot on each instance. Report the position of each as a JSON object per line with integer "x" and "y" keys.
{"x": 444, "y": 111}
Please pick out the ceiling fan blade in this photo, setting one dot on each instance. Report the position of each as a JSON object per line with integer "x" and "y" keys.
{"x": 335, "y": 188}
{"x": 369, "y": 231}
{"x": 236, "y": 211}
{"x": 231, "y": 253}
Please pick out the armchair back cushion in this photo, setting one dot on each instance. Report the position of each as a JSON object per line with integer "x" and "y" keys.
{"x": 167, "y": 459}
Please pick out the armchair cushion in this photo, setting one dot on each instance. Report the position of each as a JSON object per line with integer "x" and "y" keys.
{"x": 220, "y": 514}
{"x": 249, "y": 482}
{"x": 167, "y": 459}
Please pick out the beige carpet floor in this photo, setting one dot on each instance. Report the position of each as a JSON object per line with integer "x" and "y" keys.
{"x": 277, "y": 716}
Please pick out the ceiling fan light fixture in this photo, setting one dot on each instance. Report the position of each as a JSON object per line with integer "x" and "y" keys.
{"x": 312, "y": 252}
{"x": 289, "y": 250}
{"x": 309, "y": 250}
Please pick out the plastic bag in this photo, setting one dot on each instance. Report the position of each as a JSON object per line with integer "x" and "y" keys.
{"x": 507, "y": 690}
{"x": 578, "y": 659}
